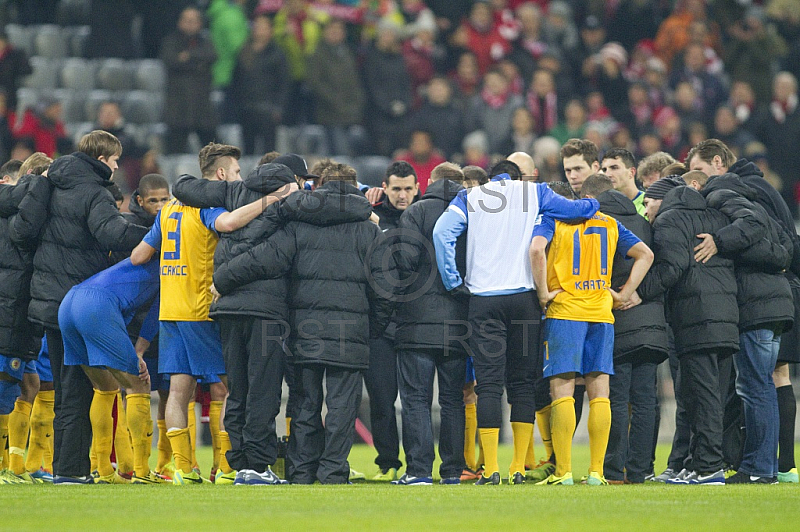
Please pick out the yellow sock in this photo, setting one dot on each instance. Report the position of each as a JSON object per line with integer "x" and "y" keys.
{"x": 164, "y": 447}
{"x": 19, "y": 422}
{"x": 141, "y": 427}
{"x": 562, "y": 428}
{"x": 224, "y": 447}
{"x": 481, "y": 458}
{"x": 490, "y": 440}
{"x": 288, "y": 426}
{"x": 543, "y": 420}
{"x": 123, "y": 445}
{"x": 93, "y": 456}
{"x": 470, "y": 428}
{"x": 530, "y": 456}
{"x": 103, "y": 429}
{"x": 599, "y": 425}
{"x": 4, "y": 441}
{"x": 181, "y": 449}
{"x": 523, "y": 432}
{"x": 40, "y": 447}
{"x": 192, "y": 426}
{"x": 214, "y": 416}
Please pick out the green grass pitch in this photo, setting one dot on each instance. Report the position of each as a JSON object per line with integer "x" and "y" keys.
{"x": 372, "y": 506}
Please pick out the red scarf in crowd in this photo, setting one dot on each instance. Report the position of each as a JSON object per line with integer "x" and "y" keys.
{"x": 545, "y": 118}
{"x": 494, "y": 101}
{"x": 780, "y": 110}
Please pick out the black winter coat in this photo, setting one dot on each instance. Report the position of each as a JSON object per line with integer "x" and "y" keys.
{"x": 338, "y": 295}
{"x": 640, "y": 333}
{"x": 427, "y": 316}
{"x": 763, "y": 292}
{"x": 188, "y": 94}
{"x": 701, "y": 297}
{"x": 261, "y": 83}
{"x": 389, "y": 215}
{"x": 773, "y": 203}
{"x": 262, "y": 298}
{"x": 82, "y": 226}
{"x": 16, "y": 267}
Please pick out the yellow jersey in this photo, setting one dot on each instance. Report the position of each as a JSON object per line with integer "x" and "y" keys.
{"x": 579, "y": 262}
{"x": 186, "y": 239}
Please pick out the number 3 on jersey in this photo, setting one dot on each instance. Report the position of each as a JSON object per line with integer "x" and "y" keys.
{"x": 175, "y": 236}
{"x": 576, "y": 249}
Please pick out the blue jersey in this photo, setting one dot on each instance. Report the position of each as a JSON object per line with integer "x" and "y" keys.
{"x": 133, "y": 287}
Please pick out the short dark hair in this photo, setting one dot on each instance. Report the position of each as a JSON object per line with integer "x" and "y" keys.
{"x": 211, "y": 154}
{"x": 152, "y": 182}
{"x": 562, "y": 188}
{"x": 596, "y": 184}
{"x": 623, "y": 155}
{"x": 339, "y": 172}
{"x": 475, "y": 173}
{"x": 585, "y": 148}
{"x": 506, "y": 167}
{"x": 400, "y": 169}
{"x": 708, "y": 149}
{"x": 11, "y": 168}
{"x": 268, "y": 157}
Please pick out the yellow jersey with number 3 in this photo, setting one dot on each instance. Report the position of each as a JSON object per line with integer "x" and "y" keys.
{"x": 187, "y": 241}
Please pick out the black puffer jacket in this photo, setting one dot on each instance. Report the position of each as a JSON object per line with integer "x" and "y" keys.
{"x": 338, "y": 295}
{"x": 773, "y": 203}
{"x": 640, "y": 333}
{"x": 763, "y": 292}
{"x": 16, "y": 268}
{"x": 138, "y": 215}
{"x": 389, "y": 215}
{"x": 82, "y": 226}
{"x": 427, "y": 316}
{"x": 701, "y": 298}
{"x": 263, "y": 298}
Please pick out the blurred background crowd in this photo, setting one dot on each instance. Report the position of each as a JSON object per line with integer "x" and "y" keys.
{"x": 418, "y": 80}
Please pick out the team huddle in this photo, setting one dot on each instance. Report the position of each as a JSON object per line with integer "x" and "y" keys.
{"x": 490, "y": 283}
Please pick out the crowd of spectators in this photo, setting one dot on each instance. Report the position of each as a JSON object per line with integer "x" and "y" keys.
{"x": 464, "y": 80}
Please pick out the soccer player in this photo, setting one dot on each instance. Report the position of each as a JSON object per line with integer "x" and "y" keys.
{"x": 93, "y": 318}
{"x": 500, "y": 216}
{"x": 189, "y": 343}
{"x": 620, "y": 165}
{"x": 573, "y": 281}
{"x": 580, "y": 161}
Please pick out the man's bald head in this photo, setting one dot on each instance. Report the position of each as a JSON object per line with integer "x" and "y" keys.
{"x": 526, "y": 164}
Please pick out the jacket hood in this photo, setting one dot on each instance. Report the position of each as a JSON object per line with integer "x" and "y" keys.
{"x": 729, "y": 181}
{"x": 685, "y": 198}
{"x": 268, "y": 178}
{"x": 444, "y": 189}
{"x": 335, "y": 202}
{"x": 743, "y": 168}
{"x": 70, "y": 171}
{"x": 616, "y": 203}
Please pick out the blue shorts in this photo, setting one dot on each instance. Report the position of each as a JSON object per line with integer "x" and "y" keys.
{"x": 190, "y": 348}
{"x": 15, "y": 367}
{"x": 9, "y": 391}
{"x": 94, "y": 331}
{"x": 470, "y": 377}
{"x": 43, "y": 365}
{"x": 578, "y": 347}
{"x": 158, "y": 381}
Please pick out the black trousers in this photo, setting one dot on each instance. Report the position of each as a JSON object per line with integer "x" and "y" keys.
{"x": 416, "y": 369}
{"x": 706, "y": 377}
{"x": 317, "y": 451}
{"x": 504, "y": 340}
{"x": 381, "y": 383}
{"x": 630, "y": 441}
{"x": 72, "y": 428}
{"x": 681, "y": 439}
{"x": 254, "y": 363}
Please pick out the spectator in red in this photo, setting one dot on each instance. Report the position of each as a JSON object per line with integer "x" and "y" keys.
{"x": 43, "y": 126}
{"x": 529, "y": 47}
{"x": 543, "y": 102}
{"x": 466, "y": 78}
{"x": 491, "y": 111}
{"x": 480, "y": 34}
{"x": 423, "y": 156}
{"x": 673, "y": 34}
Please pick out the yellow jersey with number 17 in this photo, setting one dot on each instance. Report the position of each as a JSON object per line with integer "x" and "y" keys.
{"x": 186, "y": 239}
{"x": 579, "y": 262}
